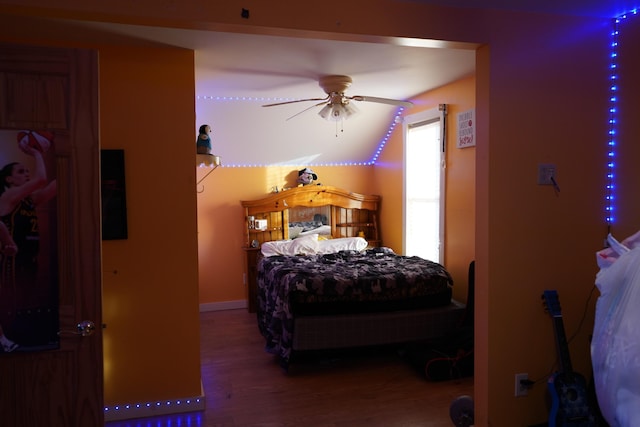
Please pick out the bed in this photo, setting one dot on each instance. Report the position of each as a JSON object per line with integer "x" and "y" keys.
{"x": 340, "y": 289}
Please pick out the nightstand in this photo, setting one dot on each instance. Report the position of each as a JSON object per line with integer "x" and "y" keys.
{"x": 251, "y": 257}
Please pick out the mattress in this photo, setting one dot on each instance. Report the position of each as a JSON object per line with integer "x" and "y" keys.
{"x": 347, "y": 282}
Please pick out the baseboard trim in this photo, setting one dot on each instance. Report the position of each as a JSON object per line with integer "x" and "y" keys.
{"x": 225, "y": 305}
{"x": 127, "y": 411}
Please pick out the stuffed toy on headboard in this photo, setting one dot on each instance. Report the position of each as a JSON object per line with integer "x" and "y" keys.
{"x": 306, "y": 176}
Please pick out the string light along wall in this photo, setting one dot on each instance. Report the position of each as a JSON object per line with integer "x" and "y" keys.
{"x": 611, "y": 142}
{"x": 397, "y": 119}
{"x": 191, "y": 407}
{"x": 372, "y": 161}
{"x": 610, "y": 193}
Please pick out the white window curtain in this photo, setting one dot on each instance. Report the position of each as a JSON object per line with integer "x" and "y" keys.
{"x": 424, "y": 184}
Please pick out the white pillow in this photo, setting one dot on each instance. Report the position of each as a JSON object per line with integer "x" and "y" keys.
{"x": 276, "y": 247}
{"x": 303, "y": 245}
{"x": 342, "y": 244}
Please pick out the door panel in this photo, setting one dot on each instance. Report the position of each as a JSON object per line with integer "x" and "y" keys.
{"x": 59, "y": 91}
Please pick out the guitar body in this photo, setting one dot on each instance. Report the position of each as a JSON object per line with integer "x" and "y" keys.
{"x": 569, "y": 401}
{"x": 570, "y": 406}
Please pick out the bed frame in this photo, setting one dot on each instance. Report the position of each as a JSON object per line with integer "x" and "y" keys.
{"x": 351, "y": 214}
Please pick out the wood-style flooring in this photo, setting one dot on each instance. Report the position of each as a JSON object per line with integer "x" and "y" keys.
{"x": 246, "y": 387}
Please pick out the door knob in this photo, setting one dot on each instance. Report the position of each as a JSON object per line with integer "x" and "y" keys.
{"x": 83, "y": 328}
{"x": 86, "y": 328}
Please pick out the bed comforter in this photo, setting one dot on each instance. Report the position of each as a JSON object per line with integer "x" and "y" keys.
{"x": 374, "y": 274}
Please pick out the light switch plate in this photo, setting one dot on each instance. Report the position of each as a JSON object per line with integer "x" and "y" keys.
{"x": 546, "y": 171}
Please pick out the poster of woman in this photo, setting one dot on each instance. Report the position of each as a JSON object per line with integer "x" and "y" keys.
{"x": 28, "y": 242}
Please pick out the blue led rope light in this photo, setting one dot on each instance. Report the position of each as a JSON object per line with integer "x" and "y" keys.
{"x": 384, "y": 141}
{"x": 611, "y": 141}
{"x": 373, "y": 160}
{"x": 610, "y": 197}
{"x": 148, "y": 409}
{"x": 610, "y": 193}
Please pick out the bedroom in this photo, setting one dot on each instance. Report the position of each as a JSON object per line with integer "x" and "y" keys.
{"x": 221, "y": 285}
{"x": 501, "y": 168}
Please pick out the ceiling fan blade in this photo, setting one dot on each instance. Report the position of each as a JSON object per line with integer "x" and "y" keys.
{"x": 297, "y": 100}
{"x": 405, "y": 104}
{"x": 306, "y": 109}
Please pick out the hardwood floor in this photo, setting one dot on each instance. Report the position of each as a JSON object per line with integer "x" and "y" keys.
{"x": 245, "y": 386}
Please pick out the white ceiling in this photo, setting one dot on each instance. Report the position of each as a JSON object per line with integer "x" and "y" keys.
{"x": 237, "y": 73}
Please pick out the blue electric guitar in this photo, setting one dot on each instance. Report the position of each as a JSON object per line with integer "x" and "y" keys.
{"x": 570, "y": 406}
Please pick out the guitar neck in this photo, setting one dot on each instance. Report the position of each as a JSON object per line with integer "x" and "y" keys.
{"x": 563, "y": 346}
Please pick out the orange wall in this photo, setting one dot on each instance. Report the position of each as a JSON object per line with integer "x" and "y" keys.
{"x": 149, "y": 280}
{"x": 541, "y": 97}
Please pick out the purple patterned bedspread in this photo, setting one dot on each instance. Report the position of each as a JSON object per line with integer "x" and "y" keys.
{"x": 362, "y": 276}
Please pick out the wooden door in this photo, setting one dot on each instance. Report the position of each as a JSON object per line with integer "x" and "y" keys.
{"x": 56, "y": 89}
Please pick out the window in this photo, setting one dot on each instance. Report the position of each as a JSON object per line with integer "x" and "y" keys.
{"x": 424, "y": 184}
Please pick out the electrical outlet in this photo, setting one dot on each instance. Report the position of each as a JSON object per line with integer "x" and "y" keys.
{"x": 545, "y": 173}
{"x": 521, "y": 389}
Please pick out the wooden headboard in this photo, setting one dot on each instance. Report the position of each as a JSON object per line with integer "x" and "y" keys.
{"x": 350, "y": 213}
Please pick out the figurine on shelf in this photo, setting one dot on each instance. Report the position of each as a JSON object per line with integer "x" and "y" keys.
{"x": 203, "y": 143}
{"x": 306, "y": 176}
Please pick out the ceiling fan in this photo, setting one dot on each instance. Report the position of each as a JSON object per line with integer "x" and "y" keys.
{"x": 337, "y": 106}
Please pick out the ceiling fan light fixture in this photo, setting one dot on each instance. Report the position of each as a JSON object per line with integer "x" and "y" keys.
{"x": 350, "y": 110}
{"x": 325, "y": 113}
{"x": 337, "y": 112}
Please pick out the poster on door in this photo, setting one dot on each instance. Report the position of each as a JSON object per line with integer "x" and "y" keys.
{"x": 28, "y": 242}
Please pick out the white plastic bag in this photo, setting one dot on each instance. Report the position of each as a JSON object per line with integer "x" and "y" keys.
{"x": 615, "y": 347}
